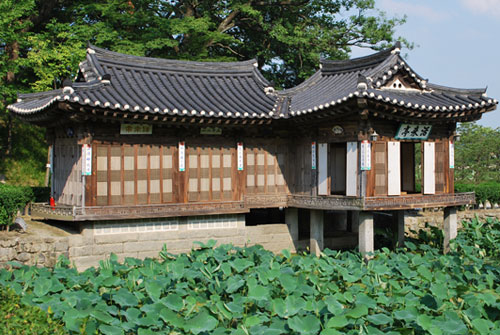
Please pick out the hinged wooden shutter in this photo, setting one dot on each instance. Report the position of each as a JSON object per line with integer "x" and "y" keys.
{"x": 322, "y": 169}
{"x": 352, "y": 169}
{"x": 440, "y": 166}
{"x": 380, "y": 167}
{"x": 429, "y": 168}
{"x": 394, "y": 168}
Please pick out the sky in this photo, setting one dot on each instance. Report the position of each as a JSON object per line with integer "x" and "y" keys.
{"x": 457, "y": 43}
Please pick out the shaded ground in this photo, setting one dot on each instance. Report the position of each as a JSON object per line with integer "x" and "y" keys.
{"x": 41, "y": 229}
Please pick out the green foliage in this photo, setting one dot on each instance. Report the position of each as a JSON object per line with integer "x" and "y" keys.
{"x": 484, "y": 191}
{"x": 230, "y": 290}
{"x": 41, "y": 194}
{"x": 477, "y": 157}
{"x": 12, "y": 199}
{"x": 17, "y": 318}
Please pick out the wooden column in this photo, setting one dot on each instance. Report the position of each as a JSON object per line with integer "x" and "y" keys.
{"x": 449, "y": 226}
{"x": 316, "y": 241}
{"x": 365, "y": 234}
{"x": 292, "y": 221}
{"x": 399, "y": 228}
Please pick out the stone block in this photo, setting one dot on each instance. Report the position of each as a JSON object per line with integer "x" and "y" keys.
{"x": 143, "y": 246}
{"x": 78, "y": 240}
{"x": 80, "y": 251}
{"x": 159, "y": 236}
{"x": 23, "y": 257}
{"x": 116, "y": 238}
{"x": 106, "y": 249}
{"x": 61, "y": 245}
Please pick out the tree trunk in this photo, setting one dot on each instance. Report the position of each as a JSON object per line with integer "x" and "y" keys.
{"x": 8, "y": 149}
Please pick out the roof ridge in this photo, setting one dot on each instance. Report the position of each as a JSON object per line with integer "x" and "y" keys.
{"x": 335, "y": 66}
{"x": 179, "y": 65}
{"x": 455, "y": 90}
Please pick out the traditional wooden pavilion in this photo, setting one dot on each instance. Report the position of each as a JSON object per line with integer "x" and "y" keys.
{"x": 141, "y": 138}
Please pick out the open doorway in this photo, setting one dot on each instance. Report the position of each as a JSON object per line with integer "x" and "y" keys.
{"x": 338, "y": 168}
{"x": 411, "y": 174}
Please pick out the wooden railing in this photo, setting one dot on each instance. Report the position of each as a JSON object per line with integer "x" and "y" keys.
{"x": 71, "y": 213}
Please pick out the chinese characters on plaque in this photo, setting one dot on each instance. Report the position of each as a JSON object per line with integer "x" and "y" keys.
{"x": 136, "y": 129}
{"x": 313, "y": 155}
{"x": 452, "y": 155}
{"x": 240, "y": 156}
{"x": 366, "y": 156}
{"x": 182, "y": 156}
{"x": 413, "y": 131}
{"x": 86, "y": 160}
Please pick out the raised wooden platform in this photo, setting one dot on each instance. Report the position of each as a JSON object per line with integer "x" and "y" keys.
{"x": 69, "y": 213}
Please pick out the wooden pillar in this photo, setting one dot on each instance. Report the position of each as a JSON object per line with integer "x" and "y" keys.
{"x": 316, "y": 241}
{"x": 399, "y": 227}
{"x": 449, "y": 226}
{"x": 365, "y": 234}
{"x": 292, "y": 221}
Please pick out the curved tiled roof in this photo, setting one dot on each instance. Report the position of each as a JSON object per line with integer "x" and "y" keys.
{"x": 132, "y": 84}
{"x": 147, "y": 85}
{"x": 339, "y": 81}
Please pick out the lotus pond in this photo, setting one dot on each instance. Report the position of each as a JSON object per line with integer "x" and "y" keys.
{"x": 230, "y": 290}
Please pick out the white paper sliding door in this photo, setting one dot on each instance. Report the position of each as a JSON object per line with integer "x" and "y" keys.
{"x": 352, "y": 169}
{"x": 394, "y": 168}
{"x": 429, "y": 168}
{"x": 322, "y": 169}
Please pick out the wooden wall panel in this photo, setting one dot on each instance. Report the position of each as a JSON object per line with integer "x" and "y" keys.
{"x": 67, "y": 184}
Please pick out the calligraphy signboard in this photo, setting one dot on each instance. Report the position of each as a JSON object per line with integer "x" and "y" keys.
{"x": 366, "y": 156}
{"x": 313, "y": 155}
{"x": 86, "y": 160}
{"x": 136, "y": 129}
{"x": 452, "y": 155}
{"x": 182, "y": 156}
{"x": 413, "y": 131}
{"x": 240, "y": 156}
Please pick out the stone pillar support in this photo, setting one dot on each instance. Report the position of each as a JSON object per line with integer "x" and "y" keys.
{"x": 316, "y": 242}
{"x": 365, "y": 234}
{"x": 449, "y": 226}
{"x": 292, "y": 221}
{"x": 399, "y": 225}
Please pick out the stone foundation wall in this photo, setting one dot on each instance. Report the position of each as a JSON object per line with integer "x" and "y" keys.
{"x": 144, "y": 239}
{"x": 41, "y": 252}
{"x": 417, "y": 221}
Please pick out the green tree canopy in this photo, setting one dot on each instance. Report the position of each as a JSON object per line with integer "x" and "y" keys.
{"x": 477, "y": 154}
{"x": 42, "y": 41}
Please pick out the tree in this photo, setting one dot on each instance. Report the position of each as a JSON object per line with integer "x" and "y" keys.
{"x": 477, "y": 154}
{"x": 42, "y": 41}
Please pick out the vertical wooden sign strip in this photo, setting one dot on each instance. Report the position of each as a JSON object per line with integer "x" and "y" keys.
{"x": 182, "y": 156}
{"x": 313, "y": 155}
{"x": 240, "y": 156}
{"x": 452, "y": 155}
{"x": 352, "y": 169}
